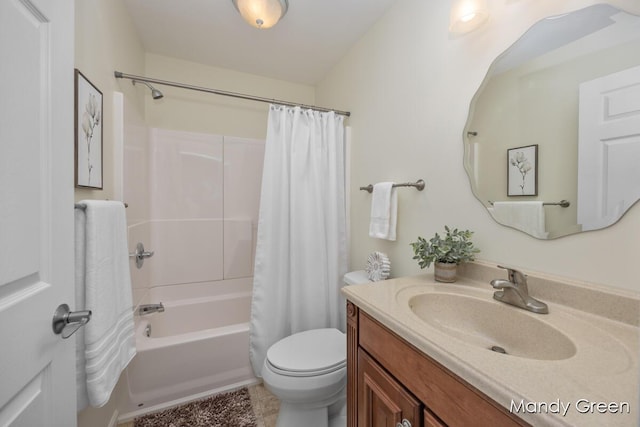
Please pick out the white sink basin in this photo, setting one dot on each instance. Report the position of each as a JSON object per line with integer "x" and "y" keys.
{"x": 492, "y": 325}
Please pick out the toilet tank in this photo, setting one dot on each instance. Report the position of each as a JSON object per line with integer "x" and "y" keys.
{"x": 356, "y": 277}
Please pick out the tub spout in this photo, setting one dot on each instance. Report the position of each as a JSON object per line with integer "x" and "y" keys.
{"x": 150, "y": 308}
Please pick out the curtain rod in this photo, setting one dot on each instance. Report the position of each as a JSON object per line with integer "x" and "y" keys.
{"x": 121, "y": 75}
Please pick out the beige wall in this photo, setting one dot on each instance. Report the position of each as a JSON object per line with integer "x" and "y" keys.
{"x": 107, "y": 41}
{"x": 193, "y": 111}
{"x": 408, "y": 84}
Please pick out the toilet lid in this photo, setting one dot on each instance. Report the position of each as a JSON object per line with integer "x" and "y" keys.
{"x": 315, "y": 351}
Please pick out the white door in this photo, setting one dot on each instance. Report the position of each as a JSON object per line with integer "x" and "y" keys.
{"x": 37, "y": 368}
{"x": 608, "y": 148}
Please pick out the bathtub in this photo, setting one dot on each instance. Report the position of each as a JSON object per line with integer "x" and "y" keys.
{"x": 197, "y": 347}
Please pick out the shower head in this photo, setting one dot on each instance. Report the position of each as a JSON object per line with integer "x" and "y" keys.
{"x": 155, "y": 93}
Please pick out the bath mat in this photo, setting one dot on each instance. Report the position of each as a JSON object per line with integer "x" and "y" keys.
{"x": 231, "y": 409}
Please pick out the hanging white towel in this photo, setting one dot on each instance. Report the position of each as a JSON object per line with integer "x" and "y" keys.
{"x": 525, "y": 216}
{"x": 384, "y": 208}
{"x": 103, "y": 285}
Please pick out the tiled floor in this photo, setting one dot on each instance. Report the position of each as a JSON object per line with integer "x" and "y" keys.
{"x": 265, "y": 407}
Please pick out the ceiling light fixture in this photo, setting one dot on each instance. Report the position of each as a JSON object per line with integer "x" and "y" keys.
{"x": 467, "y": 15}
{"x": 261, "y": 14}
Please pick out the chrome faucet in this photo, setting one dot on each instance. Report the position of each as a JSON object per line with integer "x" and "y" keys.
{"x": 515, "y": 292}
{"x": 150, "y": 308}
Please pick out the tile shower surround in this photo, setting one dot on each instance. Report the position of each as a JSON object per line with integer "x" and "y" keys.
{"x": 202, "y": 195}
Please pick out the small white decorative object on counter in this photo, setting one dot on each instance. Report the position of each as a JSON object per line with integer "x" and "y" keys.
{"x": 378, "y": 266}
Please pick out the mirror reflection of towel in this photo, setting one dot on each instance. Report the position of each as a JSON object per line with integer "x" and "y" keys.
{"x": 384, "y": 208}
{"x": 524, "y": 216}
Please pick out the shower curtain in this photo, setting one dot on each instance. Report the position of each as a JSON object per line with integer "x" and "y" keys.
{"x": 301, "y": 244}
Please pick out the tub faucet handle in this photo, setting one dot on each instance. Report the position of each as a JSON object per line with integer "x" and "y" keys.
{"x": 140, "y": 254}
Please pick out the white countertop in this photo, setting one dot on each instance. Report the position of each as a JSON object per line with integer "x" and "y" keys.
{"x": 604, "y": 367}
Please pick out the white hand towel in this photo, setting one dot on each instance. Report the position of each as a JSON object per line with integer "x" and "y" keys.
{"x": 384, "y": 209}
{"x": 81, "y": 376}
{"x": 102, "y": 275}
{"x": 525, "y": 216}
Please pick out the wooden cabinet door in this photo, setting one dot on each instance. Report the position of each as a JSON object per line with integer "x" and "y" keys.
{"x": 430, "y": 420}
{"x": 382, "y": 401}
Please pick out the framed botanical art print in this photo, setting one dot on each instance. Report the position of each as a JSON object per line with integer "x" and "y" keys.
{"x": 88, "y": 133}
{"x": 522, "y": 171}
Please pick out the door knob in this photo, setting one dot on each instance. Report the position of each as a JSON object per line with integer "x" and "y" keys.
{"x": 67, "y": 322}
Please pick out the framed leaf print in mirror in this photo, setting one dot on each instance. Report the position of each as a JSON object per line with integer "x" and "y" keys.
{"x": 522, "y": 171}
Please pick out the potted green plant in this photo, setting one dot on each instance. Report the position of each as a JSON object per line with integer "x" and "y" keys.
{"x": 445, "y": 252}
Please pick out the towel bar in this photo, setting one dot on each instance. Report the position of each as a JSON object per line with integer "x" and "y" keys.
{"x": 419, "y": 184}
{"x": 83, "y": 207}
{"x": 562, "y": 203}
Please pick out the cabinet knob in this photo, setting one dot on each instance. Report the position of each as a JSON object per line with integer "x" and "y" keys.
{"x": 405, "y": 423}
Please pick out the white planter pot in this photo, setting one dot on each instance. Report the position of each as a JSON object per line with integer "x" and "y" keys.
{"x": 445, "y": 272}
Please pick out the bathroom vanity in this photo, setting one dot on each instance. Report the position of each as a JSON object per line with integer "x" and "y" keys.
{"x": 390, "y": 382}
{"x": 419, "y": 354}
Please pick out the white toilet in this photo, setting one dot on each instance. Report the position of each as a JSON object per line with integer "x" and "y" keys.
{"x": 307, "y": 372}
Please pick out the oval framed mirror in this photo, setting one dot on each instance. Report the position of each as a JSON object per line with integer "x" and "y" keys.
{"x": 552, "y": 141}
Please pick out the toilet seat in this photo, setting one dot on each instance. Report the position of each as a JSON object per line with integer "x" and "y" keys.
{"x": 310, "y": 353}
{"x": 305, "y": 373}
